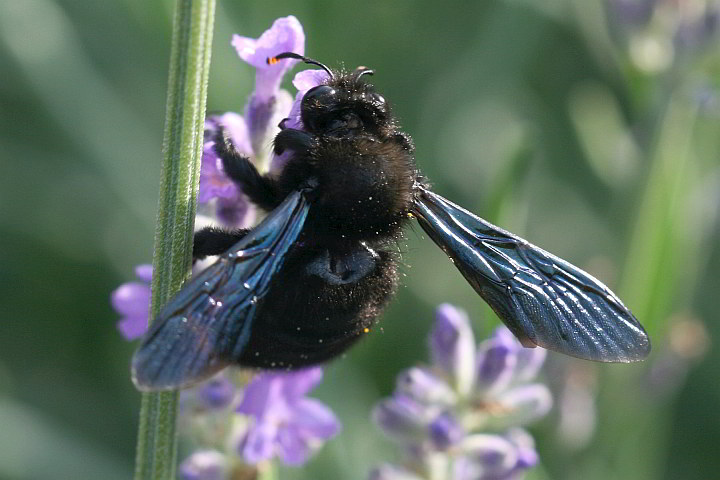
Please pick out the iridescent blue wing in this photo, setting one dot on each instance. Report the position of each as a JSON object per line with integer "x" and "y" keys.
{"x": 206, "y": 325}
{"x": 542, "y": 299}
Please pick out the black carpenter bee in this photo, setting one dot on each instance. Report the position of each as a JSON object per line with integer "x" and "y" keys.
{"x": 313, "y": 276}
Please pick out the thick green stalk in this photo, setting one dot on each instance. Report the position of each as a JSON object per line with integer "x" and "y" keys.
{"x": 182, "y": 150}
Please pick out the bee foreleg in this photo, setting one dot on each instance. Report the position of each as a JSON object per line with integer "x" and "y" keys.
{"x": 215, "y": 241}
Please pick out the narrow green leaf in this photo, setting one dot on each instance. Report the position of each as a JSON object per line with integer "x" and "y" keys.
{"x": 657, "y": 245}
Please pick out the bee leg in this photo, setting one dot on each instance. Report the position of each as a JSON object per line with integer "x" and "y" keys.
{"x": 215, "y": 241}
{"x": 262, "y": 190}
{"x": 291, "y": 139}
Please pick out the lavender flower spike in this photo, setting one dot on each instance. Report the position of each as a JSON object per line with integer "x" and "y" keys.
{"x": 285, "y": 35}
{"x": 132, "y": 301}
{"x": 459, "y": 416}
{"x": 284, "y": 422}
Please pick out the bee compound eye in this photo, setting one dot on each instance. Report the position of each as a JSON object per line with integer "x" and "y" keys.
{"x": 322, "y": 95}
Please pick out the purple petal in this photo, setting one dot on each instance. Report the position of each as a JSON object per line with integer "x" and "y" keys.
{"x": 144, "y": 272}
{"x": 425, "y": 387}
{"x": 278, "y": 162}
{"x": 299, "y": 382}
{"x": 314, "y": 419}
{"x": 294, "y": 447}
{"x": 295, "y": 116}
{"x": 236, "y": 128}
{"x": 484, "y": 456}
{"x": 504, "y": 336}
{"x": 524, "y": 404}
{"x": 452, "y": 346}
{"x": 213, "y": 181}
{"x": 132, "y": 301}
{"x": 204, "y": 465}
{"x": 388, "y": 471}
{"x": 495, "y": 366}
{"x": 523, "y": 441}
{"x": 527, "y": 458}
{"x": 261, "y": 395}
{"x": 133, "y": 327}
{"x": 131, "y": 298}
{"x": 445, "y": 431}
{"x": 529, "y": 362}
{"x": 235, "y": 212}
{"x": 263, "y": 117}
{"x": 216, "y": 393}
{"x": 259, "y": 443}
{"x": 401, "y": 418}
{"x": 303, "y": 81}
{"x": 285, "y": 35}
{"x": 307, "y": 79}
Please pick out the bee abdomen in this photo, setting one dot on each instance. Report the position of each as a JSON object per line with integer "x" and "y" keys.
{"x": 319, "y": 306}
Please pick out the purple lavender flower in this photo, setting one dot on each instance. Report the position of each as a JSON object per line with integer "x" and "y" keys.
{"x": 284, "y": 422}
{"x": 303, "y": 82}
{"x": 204, "y": 465}
{"x": 440, "y": 411}
{"x": 285, "y": 35}
{"x": 231, "y": 207}
{"x": 213, "y": 181}
{"x": 216, "y": 393}
{"x": 132, "y": 301}
{"x": 495, "y": 457}
{"x": 252, "y": 135}
{"x": 404, "y": 419}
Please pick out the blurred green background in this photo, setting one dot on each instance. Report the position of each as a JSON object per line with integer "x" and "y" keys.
{"x": 587, "y": 127}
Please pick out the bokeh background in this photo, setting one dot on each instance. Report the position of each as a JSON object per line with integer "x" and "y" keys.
{"x": 592, "y": 128}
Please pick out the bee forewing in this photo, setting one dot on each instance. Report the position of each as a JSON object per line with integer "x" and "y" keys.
{"x": 206, "y": 325}
{"x": 543, "y": 299}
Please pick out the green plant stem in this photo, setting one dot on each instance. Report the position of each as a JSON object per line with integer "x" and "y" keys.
{"x": 182, "y": 150}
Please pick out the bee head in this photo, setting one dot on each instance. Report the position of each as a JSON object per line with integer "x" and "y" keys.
{"x": 344, "y": 106}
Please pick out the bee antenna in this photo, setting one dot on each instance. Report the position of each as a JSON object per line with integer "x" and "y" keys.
{"x": 274, "y": 60}
{"x": 363, "y": 71}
